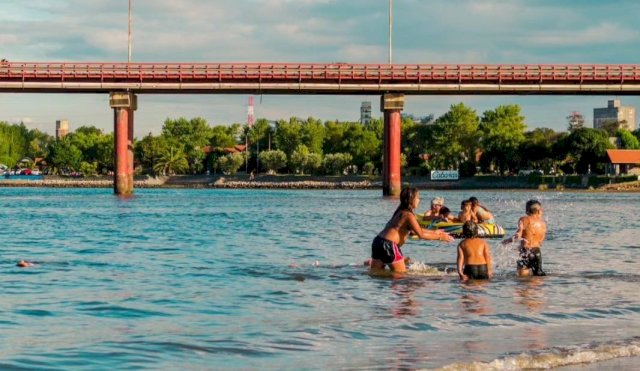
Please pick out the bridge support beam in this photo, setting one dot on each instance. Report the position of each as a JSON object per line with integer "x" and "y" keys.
{"x": 391, "y": 105}
{"x": 123, "y": 104}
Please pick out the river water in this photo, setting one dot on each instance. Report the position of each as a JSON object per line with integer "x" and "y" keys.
{"x": 273, "y": 279}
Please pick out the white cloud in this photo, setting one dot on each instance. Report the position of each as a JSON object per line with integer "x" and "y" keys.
{"x": 603, "y": 33}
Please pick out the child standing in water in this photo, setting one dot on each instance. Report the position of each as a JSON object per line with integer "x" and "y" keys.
{"x": 531, "y": 232}
{"x": 385, "y": 249}
{"x": 474, "y": 255}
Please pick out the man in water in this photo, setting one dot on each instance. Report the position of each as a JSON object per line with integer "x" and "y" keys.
{"x": 531, "y": 232}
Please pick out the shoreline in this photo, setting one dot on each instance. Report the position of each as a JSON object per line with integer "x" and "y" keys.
{"x": 310, "y": 182}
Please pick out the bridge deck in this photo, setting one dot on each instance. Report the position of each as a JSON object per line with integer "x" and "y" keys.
{"x": 307, "y": 78}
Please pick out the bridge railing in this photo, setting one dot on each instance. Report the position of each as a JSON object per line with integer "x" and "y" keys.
{"x": 311, "y": 72}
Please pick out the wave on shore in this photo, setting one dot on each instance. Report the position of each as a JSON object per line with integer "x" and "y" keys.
{"x": 557, "y": 357}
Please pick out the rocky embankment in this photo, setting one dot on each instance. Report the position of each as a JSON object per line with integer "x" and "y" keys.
{"x": 304, "y": 184}
{"x": 622, "y": 187}
{"x": 192, "y": 182}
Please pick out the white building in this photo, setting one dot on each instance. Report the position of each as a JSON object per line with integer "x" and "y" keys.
{"x": 62, "y": 128}
{"x": 614, "y": 112}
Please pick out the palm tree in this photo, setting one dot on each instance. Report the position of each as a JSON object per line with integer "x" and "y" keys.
{"x": 171, "y": 163}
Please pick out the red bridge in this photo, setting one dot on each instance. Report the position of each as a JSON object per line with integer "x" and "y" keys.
{"x": 332, "y": 78}
{"x": 392, "y": 81}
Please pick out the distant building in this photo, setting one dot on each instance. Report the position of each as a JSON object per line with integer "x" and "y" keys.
{"x": 424, "y": 120}
{"x": 614, "y": 112}
{"x": 62, "y": 128}
{"x": 365, "y": 113}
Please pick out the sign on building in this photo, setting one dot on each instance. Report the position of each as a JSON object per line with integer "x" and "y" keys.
{"x": 444, "y": 175}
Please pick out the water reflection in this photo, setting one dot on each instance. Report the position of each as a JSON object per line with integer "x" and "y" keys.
{"x": 529, "y": 293}
{"x": 404, "y": 290}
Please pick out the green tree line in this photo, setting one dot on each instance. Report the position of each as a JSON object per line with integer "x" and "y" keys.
{"x": 497, "y": 141}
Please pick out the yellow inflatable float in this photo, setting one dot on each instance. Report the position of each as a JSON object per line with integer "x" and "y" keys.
{"x": 485, "y": 230}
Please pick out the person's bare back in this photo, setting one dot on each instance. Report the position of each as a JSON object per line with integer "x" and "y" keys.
{"x": 532, "y": 230}
{"x": 474, "y": 255}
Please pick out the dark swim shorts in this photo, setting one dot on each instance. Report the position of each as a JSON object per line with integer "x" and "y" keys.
{"x": 531, "y": 258}
{"x": 386, "y": 251}
{"x": 478, "y": 272}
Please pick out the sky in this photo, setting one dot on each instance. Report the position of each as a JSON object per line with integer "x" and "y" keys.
{"x": 320, "y": 31}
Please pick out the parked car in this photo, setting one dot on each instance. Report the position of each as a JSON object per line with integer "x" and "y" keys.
{"x": 25, "y": 172}
{"x": 530, "y": 172}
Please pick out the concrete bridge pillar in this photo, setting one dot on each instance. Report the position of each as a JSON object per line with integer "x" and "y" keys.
{"x": 123, "y": 104}
{"x": 391, "y": 105}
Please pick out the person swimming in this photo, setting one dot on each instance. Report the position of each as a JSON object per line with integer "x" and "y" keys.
{"x": 25, "y": 264}
{"x": 474, "y": 255}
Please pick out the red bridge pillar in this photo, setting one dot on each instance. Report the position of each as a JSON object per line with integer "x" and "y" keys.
{"x": 123, "y": 104}
{"x": 391, "y": 105}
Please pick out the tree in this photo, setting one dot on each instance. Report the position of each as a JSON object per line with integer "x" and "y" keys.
{"x": 627, "y": 139}
{"x": 537, "y": 149}
{"x": 14, "y": 143}
{"x": 612, "y": 126}
{"x": 575, "y": 121}
{"x": 92, "y": 142}
{"x": 171, "y": 163}
{"x": 335, "y": 163}
{"x": 586, "y": 149}
{"x": 288, "y": 135}
{"x": 65, "y": 156}
{"x": 191, "y": 136}
{"x": 273, "y": 160}
{"x": 502, "y": 133}
{"x": 150, "y": 150}
{"x": 298, "y": 159}
{"x": 334, "y": 133}
{"x": 222, "y": 137}
{"x": 313, "y": 133}
{"x": 229, "y": 164}
{"x": 362, "y": 144}
{"x": 314, "y": 162}
{"x": 454, "y": 136}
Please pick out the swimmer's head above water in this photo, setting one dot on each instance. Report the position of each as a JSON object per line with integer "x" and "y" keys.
{"x": 24, "y": 264}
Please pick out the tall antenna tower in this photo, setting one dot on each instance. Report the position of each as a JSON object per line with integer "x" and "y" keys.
{"x": 250, "y": 112}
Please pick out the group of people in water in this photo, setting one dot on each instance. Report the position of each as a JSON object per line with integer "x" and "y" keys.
{"x": 473, "y": 254}
{"x": 470, "y": 210}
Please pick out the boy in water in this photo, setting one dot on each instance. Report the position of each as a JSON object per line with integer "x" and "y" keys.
{"x": 445, "y": 215}
{"x": 474, "y": 255}
{"x": 531, "y": 232}
{"x": 483, "y": 215}
{"x": 466, "y": 214}
{"x": 385, "y": 249}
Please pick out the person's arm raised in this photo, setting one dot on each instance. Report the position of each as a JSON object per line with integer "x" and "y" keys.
{"x": 518, "y": 235}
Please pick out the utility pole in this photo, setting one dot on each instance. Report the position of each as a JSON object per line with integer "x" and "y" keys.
{"x": 129, "y": 34}
{"x": 390, "y": 29}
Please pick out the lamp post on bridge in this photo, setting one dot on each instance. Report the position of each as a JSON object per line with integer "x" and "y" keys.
{"x": 129, "y": 35}
{"x": 390, "y": 29}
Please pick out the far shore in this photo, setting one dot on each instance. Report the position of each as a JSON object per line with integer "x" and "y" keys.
{"x": 242, "y": 181}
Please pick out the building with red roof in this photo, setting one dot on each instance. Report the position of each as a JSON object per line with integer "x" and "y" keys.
{"x": 623, "y": 161}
